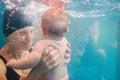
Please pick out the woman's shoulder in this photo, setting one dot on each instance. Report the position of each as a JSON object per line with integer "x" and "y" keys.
{"x": 2, "y": 61}
{"x": 2, "y": 66}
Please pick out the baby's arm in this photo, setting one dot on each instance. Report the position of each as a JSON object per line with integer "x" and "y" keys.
{"x": 28, "y": 61}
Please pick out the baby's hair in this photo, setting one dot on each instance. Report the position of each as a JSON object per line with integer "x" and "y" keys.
{"x": 54, "y": 22}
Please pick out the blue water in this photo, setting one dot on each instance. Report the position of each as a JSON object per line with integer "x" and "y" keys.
{"x": 2, "y": 38}
{"x": 93, "y": 34}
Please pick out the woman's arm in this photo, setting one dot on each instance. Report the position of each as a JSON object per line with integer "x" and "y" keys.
{"x": 49, "y": 60}
{"x": 2, "y": 70}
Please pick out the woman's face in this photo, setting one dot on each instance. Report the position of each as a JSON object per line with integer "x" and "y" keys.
{"x": 22, "y": 38}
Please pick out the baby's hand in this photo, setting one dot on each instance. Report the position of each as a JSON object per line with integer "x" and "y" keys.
{"x": 11, "y": 62}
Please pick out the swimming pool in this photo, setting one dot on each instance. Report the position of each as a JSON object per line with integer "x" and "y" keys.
{"x": 93, "y": 34}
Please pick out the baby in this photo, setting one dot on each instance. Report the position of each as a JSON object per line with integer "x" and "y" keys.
{"x": 54, "y": 26}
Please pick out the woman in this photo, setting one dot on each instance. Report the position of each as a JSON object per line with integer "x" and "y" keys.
{"x": 19, "y": 33}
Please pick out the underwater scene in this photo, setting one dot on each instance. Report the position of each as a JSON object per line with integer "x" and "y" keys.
{"x": 94, "y": 37}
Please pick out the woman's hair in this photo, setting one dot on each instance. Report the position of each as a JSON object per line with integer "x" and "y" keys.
{"x": 50, "y": 22}
{"x": 14, "y": 19}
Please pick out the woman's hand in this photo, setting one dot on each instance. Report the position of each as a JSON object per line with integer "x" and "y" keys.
{"x": 67, "y": 54}
{"x": 50, "y": 58}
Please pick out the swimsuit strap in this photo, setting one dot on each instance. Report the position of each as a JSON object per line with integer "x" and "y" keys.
{"x": 11, "y": 74}
{"x": 4, "y": 60}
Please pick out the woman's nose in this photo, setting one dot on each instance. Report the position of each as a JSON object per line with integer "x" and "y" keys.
{"x": 28, "y": 37}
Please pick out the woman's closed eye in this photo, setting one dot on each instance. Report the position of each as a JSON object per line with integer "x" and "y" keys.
{"x": 22, "y": 33}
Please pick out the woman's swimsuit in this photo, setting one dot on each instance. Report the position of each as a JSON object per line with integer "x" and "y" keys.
{"x": 11, "y": 74}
